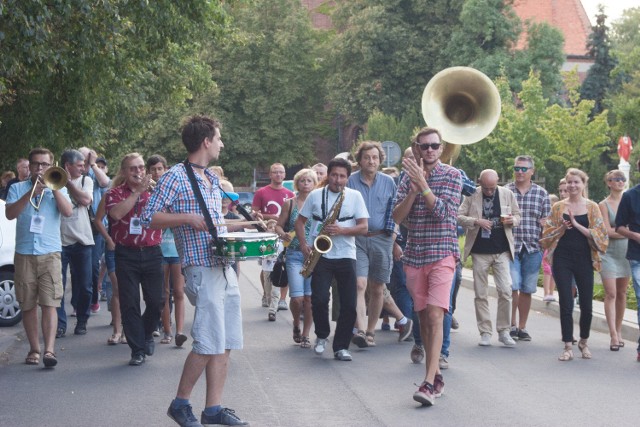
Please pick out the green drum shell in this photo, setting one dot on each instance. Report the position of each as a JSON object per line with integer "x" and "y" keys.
{"x": 245, "y": 245}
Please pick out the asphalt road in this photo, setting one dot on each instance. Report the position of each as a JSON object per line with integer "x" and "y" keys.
{"x": 273, "y": 382}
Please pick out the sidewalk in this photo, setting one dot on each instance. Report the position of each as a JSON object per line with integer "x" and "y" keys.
{"x": 599, "y": 322}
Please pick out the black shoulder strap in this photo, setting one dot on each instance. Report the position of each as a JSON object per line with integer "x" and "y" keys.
{"x": 203, "y": 206}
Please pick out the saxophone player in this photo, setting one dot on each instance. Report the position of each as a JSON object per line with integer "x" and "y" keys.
{"x": 340, "y": 214}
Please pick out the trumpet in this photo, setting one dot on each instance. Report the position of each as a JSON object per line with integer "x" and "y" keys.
{"x": 53, "y": 178}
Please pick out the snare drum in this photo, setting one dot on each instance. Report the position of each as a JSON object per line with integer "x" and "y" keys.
{"x": 243, "y": 245}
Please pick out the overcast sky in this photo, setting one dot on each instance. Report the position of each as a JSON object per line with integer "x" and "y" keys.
{"x": 613, "y": 8}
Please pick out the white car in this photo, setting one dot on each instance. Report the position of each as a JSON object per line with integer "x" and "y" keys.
{"x": 10, "y": 312}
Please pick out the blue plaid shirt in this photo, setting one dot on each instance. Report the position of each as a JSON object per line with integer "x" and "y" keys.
{"x": 174, "y": 194}
{"x": 534, "y": 205}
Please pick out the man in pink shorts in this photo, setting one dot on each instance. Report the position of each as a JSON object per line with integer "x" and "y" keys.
{"x": 427, "y": 204}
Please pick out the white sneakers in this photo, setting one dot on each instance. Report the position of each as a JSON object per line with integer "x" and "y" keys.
{"x": 485, "y": 339}
{"x": 505, "y": 338}
{"x": 321, "y": 343}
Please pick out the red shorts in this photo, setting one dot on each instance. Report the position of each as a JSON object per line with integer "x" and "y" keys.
{"x": 431, "y": 283}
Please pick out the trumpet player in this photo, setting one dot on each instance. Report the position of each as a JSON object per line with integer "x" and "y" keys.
{"x": 38, "y": 278}
{"x": 340, "y": 214}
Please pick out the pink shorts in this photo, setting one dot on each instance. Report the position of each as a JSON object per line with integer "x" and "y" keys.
{"x": 546, "y": 267}
{"x": 431, "y": 283}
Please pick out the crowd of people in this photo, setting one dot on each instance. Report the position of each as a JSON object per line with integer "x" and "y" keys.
{"x": 358, "y": 243}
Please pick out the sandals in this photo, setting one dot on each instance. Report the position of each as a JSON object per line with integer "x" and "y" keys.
{"x": 567, "y": 355}
{"x": 582, "y": 345}
{"x": 33, "y": 358}
{"x": 166, "y": 339}
{"x": 297, "y": 335}
{"x": 49, "y": 359}
{"x": 305, "y": 343}
{"x": 123, "y": 340}
{"x": 180, "y": 339}
{"x": 114, "y": 339}
{"x": 370, "y": 336}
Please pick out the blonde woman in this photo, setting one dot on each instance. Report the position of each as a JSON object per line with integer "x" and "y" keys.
{"x": 615, "y": 271}
{"x": 299, "y": 287}
{"x": 573, "y": 234}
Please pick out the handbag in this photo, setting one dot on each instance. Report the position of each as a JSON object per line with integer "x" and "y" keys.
{"x": 278, "y": 275}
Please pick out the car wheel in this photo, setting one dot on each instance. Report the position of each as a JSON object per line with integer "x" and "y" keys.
{"x": 10, "y": 312}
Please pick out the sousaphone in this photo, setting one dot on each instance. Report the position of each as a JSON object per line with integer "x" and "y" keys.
{"x": 464, "y": 105}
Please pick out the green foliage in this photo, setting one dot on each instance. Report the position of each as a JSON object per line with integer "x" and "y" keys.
{"x": 269, "y": 73}
{"x": 597, "y": 83}
{"x": 556, "y": 137}
{"x": 113, "y": 74}
{"x": 384, "y": 127}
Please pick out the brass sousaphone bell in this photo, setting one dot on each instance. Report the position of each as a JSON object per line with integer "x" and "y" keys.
{"x": 464, "y": 105}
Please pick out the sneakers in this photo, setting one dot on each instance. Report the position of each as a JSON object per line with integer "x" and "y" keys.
{"x": 137, "y": 360}
{"x": 180, "y": 339}
{"x": 386, "y": 326}
{"x": 226, "y": 417}
{"x": 321, "y": 343}
{"x": 514, "y": 333}
{"x": 549, "y": 298}
{"x": 454, "y": 323}
{"x": 282, "y": 305}
{"x": 265, "y": 301}
{"x": 272, "y": 317}
{"x": 81, "y": 328}
{"x": 438, "y": 385}
{"x": 505, "y": 338}
{"x": 360, "y": 339}
{"x": 405, "y": 330}
{"x": 417, "y": 353}
{"x": 183, "y": 415}
{"x": 61, "y": 332}
{"x": 343, "y": 355}
{"x": 425, "y": 394}
{"x": 103, "y": 296}
{"x": 523, "y": 335}
{"x": 443, "y": 363}
{"x": 485, "y": 339}
{"x": 95, "y": 307}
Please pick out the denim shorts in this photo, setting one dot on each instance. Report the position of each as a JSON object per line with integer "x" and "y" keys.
{"x": 298, "y": 285}
{"x": 525, "y": 270}
{"x": 110, "y": 260}
{"x": 170, "y": 260}
{"x": 217, "y": 322}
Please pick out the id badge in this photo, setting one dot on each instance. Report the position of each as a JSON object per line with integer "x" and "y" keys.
{"x": 135, "y": 226}
{"x": 37, "y": 224}
{"x": 486, "y": 234}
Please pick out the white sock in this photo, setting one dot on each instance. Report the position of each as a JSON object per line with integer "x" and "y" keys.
{"x": 402, "y": 321}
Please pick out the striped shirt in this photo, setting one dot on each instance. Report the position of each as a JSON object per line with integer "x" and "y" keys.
{"x": 534, "y": 206}
{"x": 432, "y": 232}
{"x": 174, "y": 194}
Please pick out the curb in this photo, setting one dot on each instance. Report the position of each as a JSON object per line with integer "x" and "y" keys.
{"x": 598, "y": 323}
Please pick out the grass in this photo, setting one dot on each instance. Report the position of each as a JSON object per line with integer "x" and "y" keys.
{"x": 598, "y": 289}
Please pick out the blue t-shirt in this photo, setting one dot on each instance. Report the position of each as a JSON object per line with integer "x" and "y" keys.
{"x": 28, "y": 242}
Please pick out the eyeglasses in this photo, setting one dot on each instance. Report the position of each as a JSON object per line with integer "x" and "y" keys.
{"x": 520, "y": 169}
{"x": 136, "y": 168}
{"x": 434, "y": 146}
{"x": 617, "y": 179}
{"x": 40, "y": 164}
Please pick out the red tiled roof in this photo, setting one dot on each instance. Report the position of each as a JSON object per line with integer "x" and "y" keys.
{"x": 319, "y": 20}
{"x": 568, "y": 16}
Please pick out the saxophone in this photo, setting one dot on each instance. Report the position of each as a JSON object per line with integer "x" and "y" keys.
{"x": 322, "y": 243}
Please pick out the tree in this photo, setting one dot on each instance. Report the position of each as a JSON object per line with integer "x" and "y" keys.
{"x": 597, "y": 82}
{"x": 384, "y": 127}
{"x": 271, "y": 94}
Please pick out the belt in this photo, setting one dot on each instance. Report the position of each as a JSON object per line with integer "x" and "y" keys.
{"x": 137, "y": 248}
{"x": 375, "y": 233}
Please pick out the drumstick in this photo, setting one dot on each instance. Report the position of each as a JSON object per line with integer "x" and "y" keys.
{"x": 236, "y": 223}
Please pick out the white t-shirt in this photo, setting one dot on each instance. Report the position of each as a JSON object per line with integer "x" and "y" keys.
{"x": 77, "y": 227}
{"x": 353, "y": 208}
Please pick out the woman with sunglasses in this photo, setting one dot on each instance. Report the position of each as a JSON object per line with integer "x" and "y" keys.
{"x": 615, "y": 271}
{"x": 574, "y": 233}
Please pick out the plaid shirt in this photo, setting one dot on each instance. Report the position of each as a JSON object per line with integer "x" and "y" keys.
{"x": 432, "y": 233}
{"x": 534, "y": 206}
{"x": 174, "y": 194}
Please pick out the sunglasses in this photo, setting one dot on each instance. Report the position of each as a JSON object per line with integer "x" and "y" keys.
{"x": 434, "y": 146}
{"x": 520, "y": 169}
{"x": 617, "y": 179}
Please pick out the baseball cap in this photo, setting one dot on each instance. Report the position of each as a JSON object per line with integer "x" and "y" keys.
{"x": 102, "y": 160}
{"x": 231, "y": 195}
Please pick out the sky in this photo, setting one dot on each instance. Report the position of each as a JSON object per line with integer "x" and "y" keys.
{"x": 613, "y": 8}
